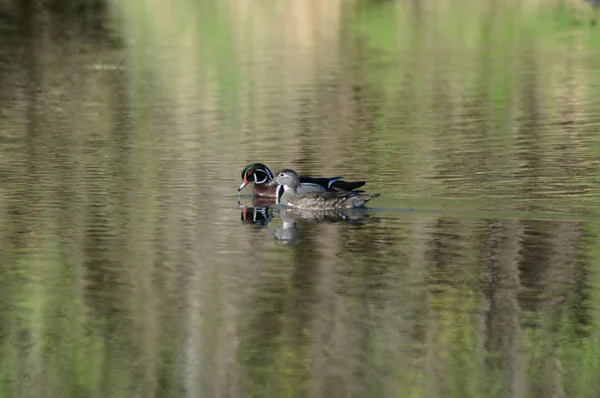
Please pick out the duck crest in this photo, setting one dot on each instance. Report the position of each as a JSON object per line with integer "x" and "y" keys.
{"x": 255, "y": 169}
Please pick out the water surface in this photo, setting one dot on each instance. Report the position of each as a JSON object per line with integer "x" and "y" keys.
{"x": 130, "y": 269}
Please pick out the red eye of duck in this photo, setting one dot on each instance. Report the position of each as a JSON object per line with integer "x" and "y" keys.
{"x": 249, "y": 172}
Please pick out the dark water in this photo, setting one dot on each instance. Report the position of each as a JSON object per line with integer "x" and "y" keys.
{"x": 129, "y": 268}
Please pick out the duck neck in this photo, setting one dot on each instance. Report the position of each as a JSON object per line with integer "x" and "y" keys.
{"x": 289, "y": 189}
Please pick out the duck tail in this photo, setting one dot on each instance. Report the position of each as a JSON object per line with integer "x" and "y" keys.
{"x": 361, "y": 199}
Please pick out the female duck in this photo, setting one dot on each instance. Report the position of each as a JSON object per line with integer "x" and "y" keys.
{"x": 264, "y": 185}
{"x": 290, "y": 181}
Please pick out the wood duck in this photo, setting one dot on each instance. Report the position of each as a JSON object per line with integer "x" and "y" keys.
{"x": 264, "y": 184}
{"x": 291, "y": 196}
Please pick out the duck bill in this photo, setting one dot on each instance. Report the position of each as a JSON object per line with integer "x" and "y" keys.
{"x": 243, "y": 184}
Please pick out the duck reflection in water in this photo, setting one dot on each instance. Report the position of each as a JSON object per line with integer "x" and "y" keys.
{"x": 259, "y": 216}
{"x": 289, "y": 231}
{"x": 260, "y": 213}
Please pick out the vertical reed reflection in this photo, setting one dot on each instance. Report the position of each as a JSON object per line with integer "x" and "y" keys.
{"x": 125, "y": 269}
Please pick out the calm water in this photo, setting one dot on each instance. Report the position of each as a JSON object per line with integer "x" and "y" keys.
{"x": 130, "y": 267}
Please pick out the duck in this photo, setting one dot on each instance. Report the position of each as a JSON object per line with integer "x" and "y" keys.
{"x": 291, "y": 197}
{"x": 265, "y": 185}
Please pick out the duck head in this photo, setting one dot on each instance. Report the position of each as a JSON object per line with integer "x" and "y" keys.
{"x": 288, "y": 178}
{"x": 257, "y": 173}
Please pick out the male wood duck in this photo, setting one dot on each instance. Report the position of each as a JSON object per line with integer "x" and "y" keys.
{"x": 264, "y": 184}
{"x": 291, "y": 196}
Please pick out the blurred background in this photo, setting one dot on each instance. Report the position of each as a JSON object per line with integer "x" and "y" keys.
{"x": 128, "y": 268}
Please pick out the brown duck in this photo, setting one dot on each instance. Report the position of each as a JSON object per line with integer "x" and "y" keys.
{"x": 291, "y": 196}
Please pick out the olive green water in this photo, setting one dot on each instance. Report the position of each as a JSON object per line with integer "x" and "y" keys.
{"x": 129, "y": 269}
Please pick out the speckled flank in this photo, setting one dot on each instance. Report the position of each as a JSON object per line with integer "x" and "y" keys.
{"x": 329, "y": 202}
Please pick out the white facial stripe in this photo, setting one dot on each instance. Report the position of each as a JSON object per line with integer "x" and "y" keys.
{"x": 267, "y": 172}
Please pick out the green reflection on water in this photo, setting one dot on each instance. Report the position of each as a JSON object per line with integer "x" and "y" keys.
{"x": 125, "y": 274}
